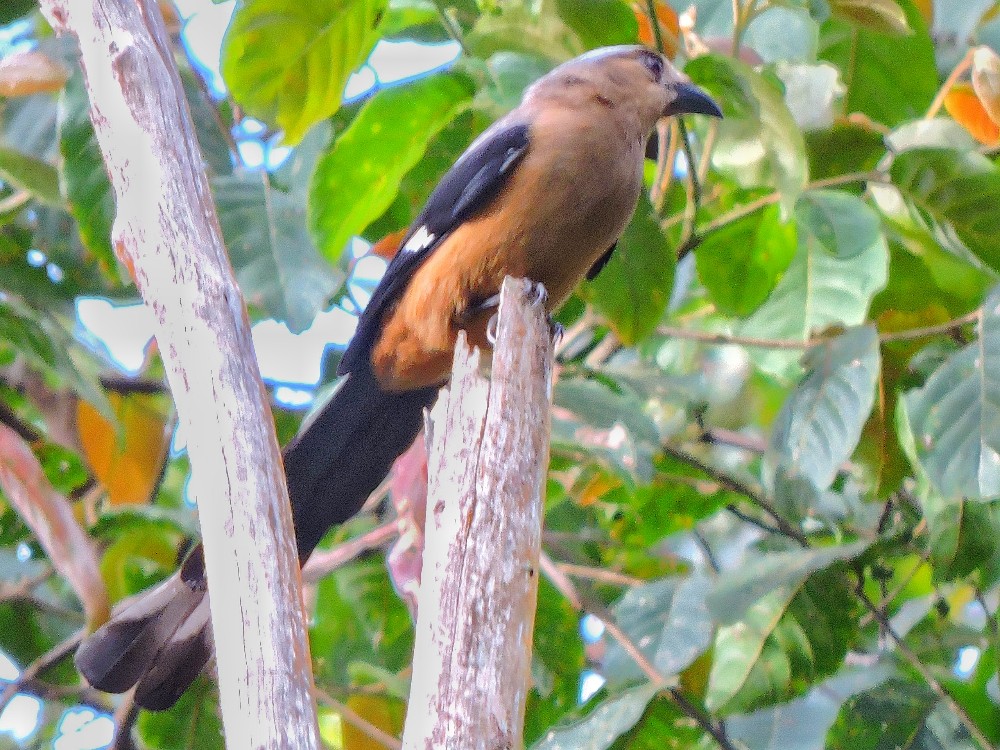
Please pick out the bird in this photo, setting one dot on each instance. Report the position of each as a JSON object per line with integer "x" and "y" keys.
{"x": 543, "y": 194}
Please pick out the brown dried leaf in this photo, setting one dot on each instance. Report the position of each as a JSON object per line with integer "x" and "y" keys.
{"x": 26, "y": 73}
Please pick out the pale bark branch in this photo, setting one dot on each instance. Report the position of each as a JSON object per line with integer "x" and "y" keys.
{"x": 166, "y": 232}
{"x": 479, "y": 583}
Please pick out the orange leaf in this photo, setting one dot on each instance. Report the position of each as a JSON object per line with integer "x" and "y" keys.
{"x": 926, "y": 8}
{"x": 967, "y": 110}
{"x": 26, "y": 73}
{"x": 667, "y": 21}
{"x": 388, "y": 246}
{"x": 50, "y": 516}
{"x": 129, "y": 464}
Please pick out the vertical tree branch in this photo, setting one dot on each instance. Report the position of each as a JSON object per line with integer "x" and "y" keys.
{"x": 479, "y": 583}
{"x": 166, "y": 232}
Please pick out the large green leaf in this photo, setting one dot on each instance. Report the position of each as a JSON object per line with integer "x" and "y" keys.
{"x": 888, "y": 78}
{"x": 955, "y": 416}
{"x": 759, "y": 143}
{"x": 780, "y": 573}
{"x": 820, "y": 424}
{"x": 668, "y": 620}
{"x": 633, "y": 289}
{"x": 602, "y": 726}
{"x": 360, "y": 625}
{"x": 287, "y": 62}
{"x": 840, "y": 264}
{"x": 803, "y": 723}
{"x": 600, "y": 22}
{"x": 781, "y": 644}
{"x": 740, "y": 263}
{"x": 357, "y": 179}
{"x": 958, "y": 189}
{"x": 277, "y": 265}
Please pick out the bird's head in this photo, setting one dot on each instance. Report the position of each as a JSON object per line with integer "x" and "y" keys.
{"x": 633, "y": 78}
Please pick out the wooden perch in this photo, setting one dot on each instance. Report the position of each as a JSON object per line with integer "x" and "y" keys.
{"x": 479, "y": 584}
{"x": 166, "y": 232}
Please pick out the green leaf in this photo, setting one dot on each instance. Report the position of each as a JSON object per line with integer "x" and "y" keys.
{"x": 821, "y": 421}
{"x": 287, "y": 62}
{"x": 633, "y": 289}
{"x": 783, "y": 34}
{"x": 840, "y": 264}
{"x": 759, "y": 143}
{"x": 668, "y": 620}
{"x": 359, "y": 623}
{"x": 780, "y": 573}
{"x": 740, "y": 263}
{"x": 740, "y": 646}
{"x": 599, "y": 411}
{"x": 958, "y": 189}
{"x": 84, "y": 177}
{"x": 357, "y": 179}
{"x": 602, "y": 726}
{"x": 600, "y": 23}
{"x": 33, "y": 175}
{"x": 955, "y": 416}
{"x": 888, "y": 78}
{"x": 192, "y": 724}
{"x": 278, "y": 267}
{"x": 803, "y": 724}
{"x": 884, "y": 16}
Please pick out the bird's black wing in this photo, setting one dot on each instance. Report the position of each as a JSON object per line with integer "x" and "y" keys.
{"x": 466, "y": 189}
{"x": 600, "y": 263}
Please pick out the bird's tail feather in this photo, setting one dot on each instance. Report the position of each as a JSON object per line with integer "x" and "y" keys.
{"x": 160, "y": 640}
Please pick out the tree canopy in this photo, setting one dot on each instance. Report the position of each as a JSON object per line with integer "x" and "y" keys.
{"x": 775, "y": 471}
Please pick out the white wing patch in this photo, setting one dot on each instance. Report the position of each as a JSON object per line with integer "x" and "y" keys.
{"x": 420, "y": 240}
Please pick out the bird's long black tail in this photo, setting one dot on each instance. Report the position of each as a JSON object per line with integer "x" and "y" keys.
{"x": 160, "y": 640}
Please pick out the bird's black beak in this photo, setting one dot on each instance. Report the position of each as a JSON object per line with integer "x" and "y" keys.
{"x": 691, "y": 100}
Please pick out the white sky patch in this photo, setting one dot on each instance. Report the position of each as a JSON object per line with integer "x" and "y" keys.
{"x": 360, "y": 83}
{"x": 83, "y": 729}
{"x": 395, "y": 61}
{"x": 124, "y": 330}
{"x": 590, "y": 683}
{"x": 20, "y": 718}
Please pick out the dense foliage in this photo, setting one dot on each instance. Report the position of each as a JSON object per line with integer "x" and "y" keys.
{"x": 776, "y": 449}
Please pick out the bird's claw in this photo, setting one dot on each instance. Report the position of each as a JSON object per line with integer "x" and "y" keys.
{"x": 556, "y": 331}
{"x": 492, "y": 329}
{"x": 537, "y": 291}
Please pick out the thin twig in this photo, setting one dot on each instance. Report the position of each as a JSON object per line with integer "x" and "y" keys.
{"x": 725, "y": 339}
{"x": 15, "y": 201}
{"x": 963, "y": 65}
{"x": 746, "y": 209}
{"x": 566, "y": 587}
{"x": 125, "y": 717}
{"x": 922, "y": 669}
{"x": 325, "y": 562}
{"x": 733, "y": 484}
{"x": 936, "y": 330}
{"x": 49, "y": 659}
{"x": 599, "y": 574}
{"x": 23, "y": 588}
{"x": 358, "y": 721}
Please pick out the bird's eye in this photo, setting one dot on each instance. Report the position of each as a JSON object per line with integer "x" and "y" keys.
{"x": 654, "y": 64}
